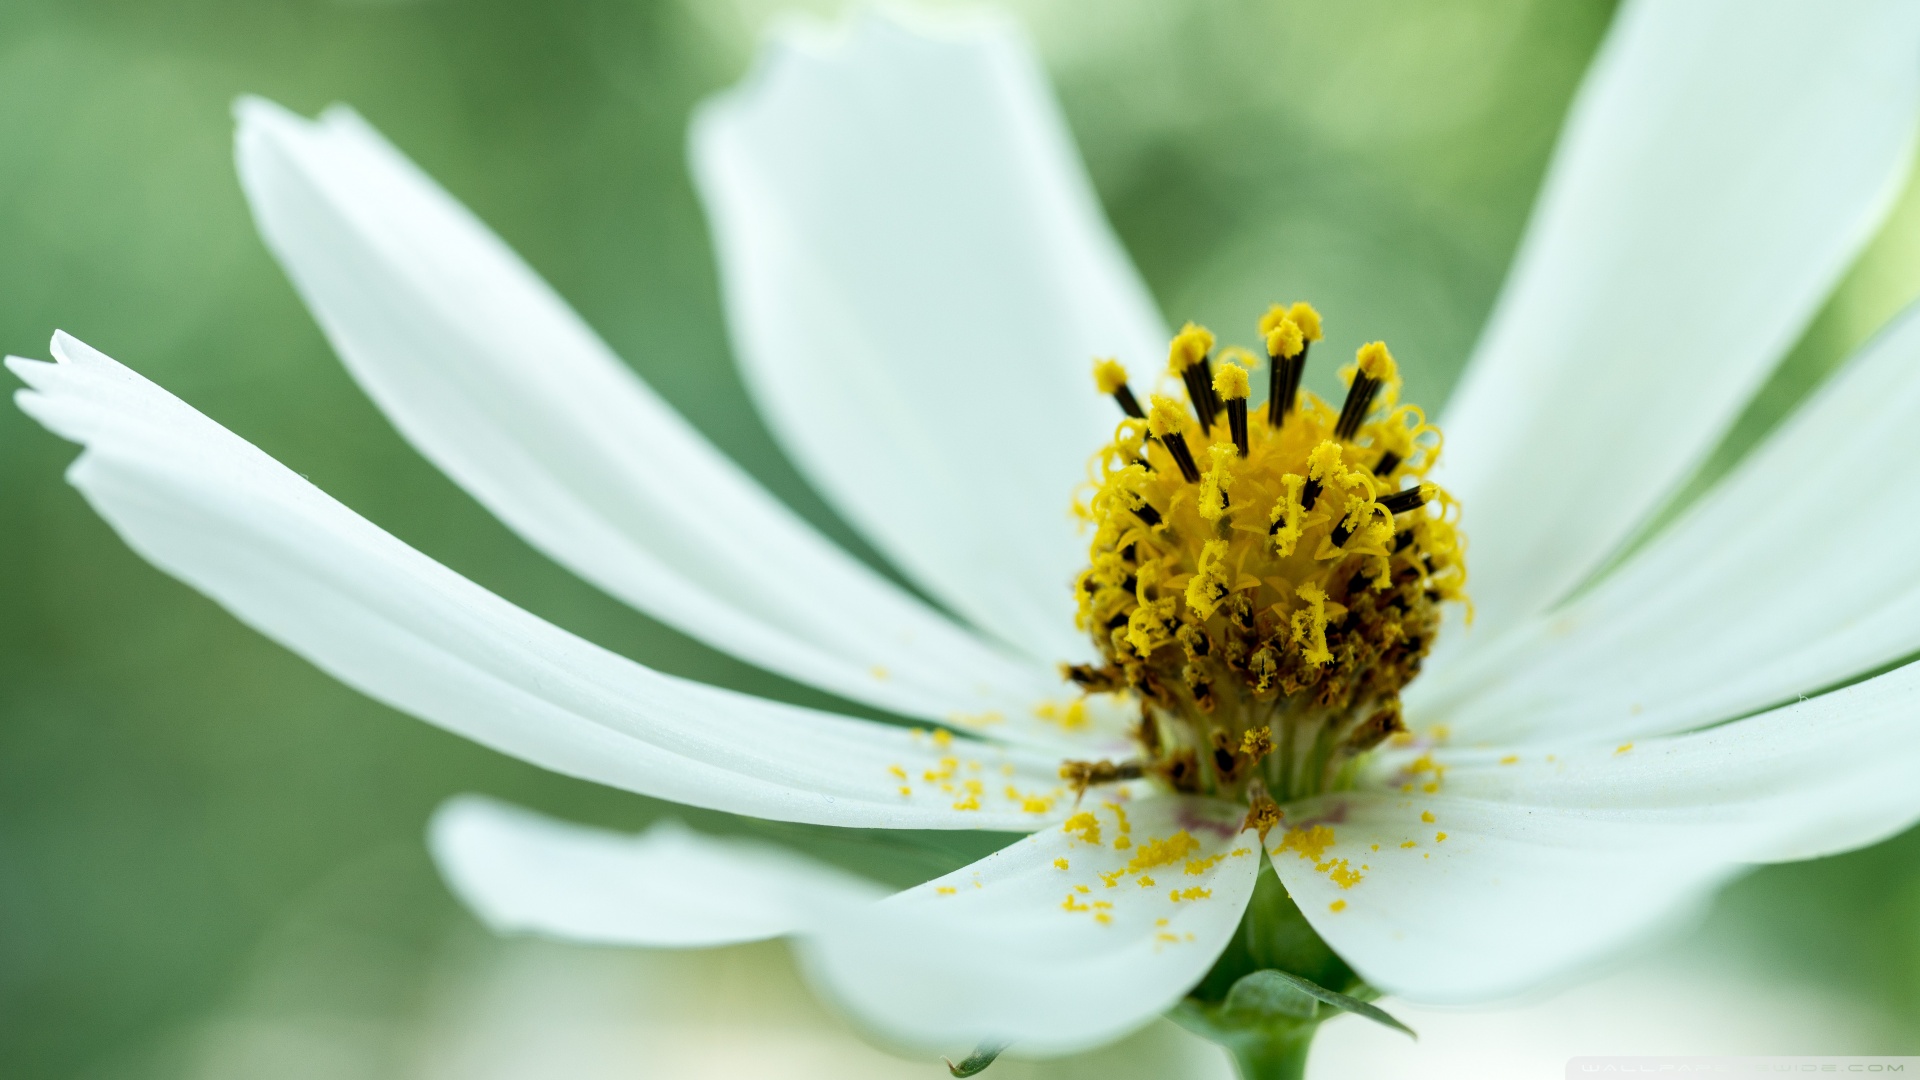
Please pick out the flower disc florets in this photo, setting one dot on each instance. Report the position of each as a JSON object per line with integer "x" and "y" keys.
{"x": 1264, "y": 583}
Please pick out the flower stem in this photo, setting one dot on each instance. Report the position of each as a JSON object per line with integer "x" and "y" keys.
{"x": 1275, "y": 1056}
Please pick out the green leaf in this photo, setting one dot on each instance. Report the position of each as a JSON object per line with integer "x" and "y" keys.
{"x": 976, "y": 1062}
{"x": 1331, "y": 997}
{"x": 1266, "y": 994}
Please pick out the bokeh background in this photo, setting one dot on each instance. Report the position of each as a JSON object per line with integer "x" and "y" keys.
{"x": 211, "y": 863}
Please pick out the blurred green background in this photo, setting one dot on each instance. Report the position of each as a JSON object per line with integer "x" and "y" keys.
{"x": 195, "y": 825}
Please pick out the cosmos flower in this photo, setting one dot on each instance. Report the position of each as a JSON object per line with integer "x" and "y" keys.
{"x": 1207, "y": 672}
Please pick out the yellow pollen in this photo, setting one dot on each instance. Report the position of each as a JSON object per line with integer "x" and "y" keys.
{"x": 1376, "y": 362}
{"x": 1070, "y": 904}
{"x": 1426, "y": 816}
{"x": 1108, "y": 375}
{"x": 1439, "y": 838}
{"x": 1190, "y": 346}
{"x": 1158, "y": 853}
{"x": 1409, "y": 844}
{"x": 1275, "y": 574}
{"x": 1215, "y": 484}
{"x": 1060, "y": 864}
{"x": 1257, "y": 743}
{"x": 1310, "y": 625}
{"x": 1102, "y": 918}
{"x": 946, "y": 890}
{"x": 1306, "y": 318}
{"x": 1146, "y": 882}
{"x": 1195, "y": 893}
{"x": 1623, "y": 748}
{"x": 1309, "y": 843}
{"x": 1230, "y": 382}
{"x": 1081, "y": 889}
{"x": 1337, "y": 905}
{"x": 1285, "y": 339}
{"x": 1036, "y": 804}
{"x": 1196, "y": 867}
{"x": 1085, "y": 825}
{"x": 1166, "y": 417}
{"x": 942, "y": 738}
{"x": 897, "y": 771}
{"x": 1119, "y": 817}
{"x": 1510, "y": 759}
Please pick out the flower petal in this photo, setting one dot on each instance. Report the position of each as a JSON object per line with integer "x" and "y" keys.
{"x": 1722, "y": 165}
{"x": 917, "y": 275}
{"x": 495, "y": 379}
{"x": 667, "y": 887}
{"x": 215, "y": 512}
{"x": 1548, "y": 862}
{"x": 1011, "y": 949}
{"x": 1792, "y": 575}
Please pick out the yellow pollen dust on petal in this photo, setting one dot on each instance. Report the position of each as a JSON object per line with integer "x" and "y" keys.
{"x": 1084, "y": 825}
{"x": 1310, "y": 842}
{"x": 1196, "y": 867}
{"x": 1195, "y": 893}
{"x": 1060, "y": 864}
{"x": 1065, "y": 715}
{"x": 1439, "y": 838}
{"x": 1146, "y": 882}
{"x": 1623, "y": 748}
{"x": 1426, "y": 816}
{"x": 1337, "y": 906}
{"x": 1157, "y": 853}
{"x": 946, "y": 890}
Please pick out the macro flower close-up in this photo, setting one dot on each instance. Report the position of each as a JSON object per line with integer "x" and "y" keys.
{"x": 1285, "y": 699}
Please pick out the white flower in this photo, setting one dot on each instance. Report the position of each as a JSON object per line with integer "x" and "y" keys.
{"x": 916, "y": 271}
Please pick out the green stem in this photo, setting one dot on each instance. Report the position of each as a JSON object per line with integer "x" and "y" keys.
{"x": 1276, "y": 1056}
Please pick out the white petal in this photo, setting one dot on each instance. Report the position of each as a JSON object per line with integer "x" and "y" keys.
{"x": 215, "y": 512}
{"x": 667, "y": 887}
{"x": 1723, "y": 163}
{"x": 917, "y": 276}
{"x": 1550, "y": 862}
{"x": 993, "y": 952}
{"x": 1794, "y": 574}
{"x": 496, "y": 380}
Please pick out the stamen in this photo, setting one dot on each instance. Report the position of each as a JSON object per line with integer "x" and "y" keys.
{"x": 1165, "y": 422}
{"x": 1111, "y": 378}
{"x": 1389, "y": 461}
{"x": 1081, "y": 775}
{"x": 1373, "y": 370}
{"x": 1187, "y": 358}
{"x": 1230, "y": 385}
{"x": 1412, "y": 498}
{"x": 1286, "y": 355}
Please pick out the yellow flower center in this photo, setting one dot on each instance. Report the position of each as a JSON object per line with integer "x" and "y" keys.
{"x": 1264, "y": 583}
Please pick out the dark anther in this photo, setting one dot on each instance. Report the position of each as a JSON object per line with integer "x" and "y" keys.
{"x": 1389, "y": 461}
{"x": 1128, "y": 403}
{"x": 1117, "y": 621}
{"x": 1081, "y": 775}
{"x": 1199, "y": 380}
{"x": 1237, "y": 423}
{"x": 1355, "y": 582}
{"x": 1401, "y": 539}
{"x": 1226, "y": 763}
{"x": 1375, "y": 729}
{"x": 1400, "y": 502}
{"x": 1341, "y": 534}
{"x": 1359, "y": 400}
{"x": 1145, "y": 512}
{"x": 1131, "y": 584}
{"x": 1176, "y": 444}
{"x": 1283, "y": 384}
{"x": 1129, "y": 554}
{"x": 1310, "y": 494}
{"x": 1094, "y": 679}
